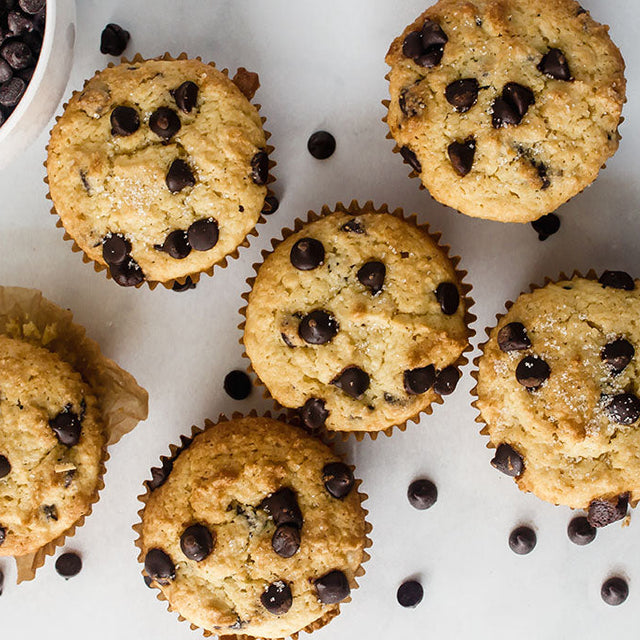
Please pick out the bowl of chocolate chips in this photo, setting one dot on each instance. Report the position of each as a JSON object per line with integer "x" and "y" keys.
{"x": 36, "y": 51}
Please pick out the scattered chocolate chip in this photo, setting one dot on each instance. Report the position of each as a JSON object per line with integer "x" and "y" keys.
{"x": 237, "y": 384}
{"x": 353, "y": 381}
{"x": 508, "y": 460}
{"x": 314, "y": 414}
{"x": 164, "y": 122}
{"x": 176, "y": 245}
{"x": 353, "y": 226}
{"x": 512, "y": 106}
{"x": 179, "y": 176}
{"x": 430, "y": 58}
{"x": 68, "y": 478}
{"x": 623, "y": 408}
{"x": 461, "y": 155}
{"x": 462, "y": 94}
{"x": 446, "y": 380}
{"x": 422, "y": 494}
{"x": 67, "y": 426}
{"x": 113, "y": 40}
{"x": 115, "y": 248}
{"x": 371, "y": 275}
{"x": 159, "y": 566}
{"x": 607, "y": 510}
{"x": 409, "y": 102}
{"x": 5, "y": 71}
{"x": 580, "y": 532}
{"x": 287, "y": 340}
{"x": 425, "y": 47}
{"x": 18, "y": 23}
{"x": 617, "y": 280}
{"x": 433, "y": 35}
{"x": 5, "y": 466}
{"x": 412, "y": 45}
{"x": 410, "y": 594}
{"x": 32, "y": 6}
{"x": 159, "y": 475}
{"x": 148, "y": 581}
{"x": 186, "y": 96}
{"x": 522, "y": 540}
{"x": 332, "y": 587}
{"x": 3, "y": 535}
{"x": 448, "y": 297}
{"x": 307, "y": 254}
{"x": 411, "y": 159}
{"x": 282, "y": 506}
{"x": 50, "y": 512}
{"x": 321, "y": 145}
{"x": 68, "y": 565}
{"x": 203, "y": 234}
{"x": 271, "y": 204}
{"x": 614, "y": 591}
{"x": 260, "y": 168}
{"x": 17, "y": 54}
{"x": 547, "y": 225}
{"x": 617, "y": 355}
{"x": 420, "y": 380}
{"x": 186, "y": 286}
{"x": 532, "y": 371}
{"x": 277, "y": 598}
{"x": 11, "y": 92}
{"x": 554, "y": 65}
{"x": 127, "y": 274}
{"x": 338, "y": 479}
{"x": 124, "y": 121}
{"x": 318, "y": 327}
{"x": 197, "y": 542}
{"x": 513, "y": 337}
{"x": 286, "y": 540}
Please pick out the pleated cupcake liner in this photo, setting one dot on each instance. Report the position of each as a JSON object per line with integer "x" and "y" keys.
{"x": 246, "y": 88}
{"x": 174, "y": 451}
{"x": 26, "y": 315}
{"x": 354, "y": 208}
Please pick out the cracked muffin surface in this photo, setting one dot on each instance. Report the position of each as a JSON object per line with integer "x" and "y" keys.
{"x": 505, "y": 108}
{"x": 158, "y": 169}
{"x": 257, "y": 530}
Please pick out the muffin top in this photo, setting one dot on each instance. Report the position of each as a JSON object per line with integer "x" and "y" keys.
{"x": 51, "y": 447}
{"x": 505, "y": 108}
{"x": 257, "y": 530}
{"x": 558, "y": 388}
{"x": 357, "y": 320}
{"x": 158, "y": 168}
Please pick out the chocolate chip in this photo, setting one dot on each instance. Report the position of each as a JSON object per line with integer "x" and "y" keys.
{"x": 462, "y": 94}
{"x": 461, "y": 155}
{"x": 237, "y": 384}
{"x": 353, "y": 226}
{"x": 186, "y": 96}
{"x": 176, "y": 245}
{"x": 69, "y": 565}
{"x": 260, "y": 168}
{"x": 433, "y": 35}
{"x": 338, "y": 479}
{"x": 32, "y": 6}
{"x": 68, "y": 478}
{"x": 623, "y": 408}
{"x": 67, "y": 426}
{"x": 282, "y": 506}
{"x": 179, "y": 176}
{"x": 513, "y": 337}
{"x": 519, "y": 97}
{"x": 113, "y": 40}
{"x": 410, "y": 106}
{"x": 124, "y": 121}
{"x": 420, "y": 380}
{"x": 314, "y": 414}
{"x": 422, "y": 494}
{"x": 522, "y": 540}
{"x": 448, "y": 297}
{"x": 410, "y": 594}
{"x": 286, "y": 540}
{"x": 446, "y": 381}
{"x": 159, "y": 566}
{"x": 50, "y": 512}
{"x": 412, "y": 45}
{"x": 18, "y": 23}
{"x": 580, "y": 532}
{"x": 5, "y": 71}
{"x": 203, "y": 234}
{"x": 277, "y": 598}
{"x": 271, "y": 204}
{"x": 11, "y": 92}
{"x": 547, "y": 225}
{"x": 532, "y": 371}
{"x": 307, "y": 254}
{"x": 353, "y": 381}
{"x": 554, "y": 65}
{"x": 333, "y": 587}
{"x": 115, "y": 248}
{"x": 614, "y": 591}
{"x": 318, "y": 327}
{"x": 321, "y": 145}
{"x": 17, "y": 54}
{"x": 371, "y": 275}
{"x": 148, "y": 581}
{"x": 411, "y": 159}
{"x": 159, "y": 475}
{"x": 3, "y": 535}
{"x": 185, "y": 286}
{"x": 164, "y": 122}
{"x": 431, "y": 58}
{"x": 197, "y": 542}
{"x": 617, "y": 355}
{"x": 604, "y": 511}
{"x": 127, "y": 274}
{"x": 5, "y": 466}
{"x": 508, "y": 460}
{"x": 617, "y": 280}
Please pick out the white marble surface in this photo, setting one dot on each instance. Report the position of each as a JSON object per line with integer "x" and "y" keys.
{"x": 322, "y": 66}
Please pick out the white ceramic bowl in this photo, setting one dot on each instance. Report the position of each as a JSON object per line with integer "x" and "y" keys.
{"x": 47, "y": 85}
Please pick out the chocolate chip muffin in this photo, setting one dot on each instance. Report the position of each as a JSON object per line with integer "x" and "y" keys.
{"x": 158, "y": 169}
{"x": 253, "y": 529}
{"x": 558, "y": 389}
{"x": 505, "y": 108}
{"x": 358, "y": 319}
{"x": 51, "y": 447}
